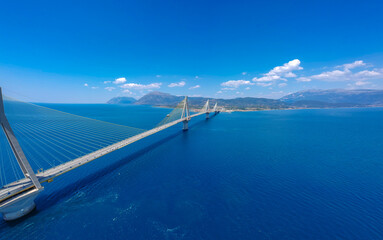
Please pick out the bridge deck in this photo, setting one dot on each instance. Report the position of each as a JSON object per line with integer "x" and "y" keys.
{"x": 47, "y": 175}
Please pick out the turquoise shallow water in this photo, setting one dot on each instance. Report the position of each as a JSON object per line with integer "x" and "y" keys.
{"x": 293, "y": 174}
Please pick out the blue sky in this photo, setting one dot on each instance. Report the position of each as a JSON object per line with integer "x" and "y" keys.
{"x": 66, "y": 51}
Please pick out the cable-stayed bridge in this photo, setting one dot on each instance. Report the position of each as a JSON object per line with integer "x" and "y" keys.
{"x": 44, "y": 143}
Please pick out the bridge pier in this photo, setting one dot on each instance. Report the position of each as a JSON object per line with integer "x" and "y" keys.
{"x": 19, "y": 205}
{"x": 185, "y": 127}
{"x": 207, "y": 115}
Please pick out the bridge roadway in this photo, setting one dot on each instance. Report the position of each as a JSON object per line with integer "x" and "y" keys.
{"x": 25, "y": 184}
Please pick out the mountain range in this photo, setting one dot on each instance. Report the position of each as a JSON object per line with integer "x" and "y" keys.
{"x": 303, "y": 99}
{"x": 122, "y": 100}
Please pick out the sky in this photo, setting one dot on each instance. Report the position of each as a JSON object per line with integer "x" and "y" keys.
{"x": 91, "y": 51}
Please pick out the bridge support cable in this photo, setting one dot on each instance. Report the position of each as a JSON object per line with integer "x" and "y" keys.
{"x": 16, "y": 148}
{"x": 60, "y": 136}
{"x": 175, "y": 114}
{"x": 9, "y": 169}
{"x": 60, "y": 142}
{"x": 42, "y": 139}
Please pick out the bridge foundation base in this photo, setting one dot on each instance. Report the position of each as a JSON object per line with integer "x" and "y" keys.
{"x": 20, "y": 205}
{"x": 186, "y": 127}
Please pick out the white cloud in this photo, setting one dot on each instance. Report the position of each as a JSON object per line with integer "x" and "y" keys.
{"x": 282, "y": 85}
{"x": 141, "y": 86}
{"x": 180, "y": 84}
{"x": 219, "y": 92}
{"x": 268, "y": 78}
{"x": 127, "y": 91}
{"x": 359, "y": 78}
{"x": 263, "y": 84}
{"x": 86, "y": 85}
{"x": 355, "y": 64}
{"x": 106, "y": 82}
{"x": 347, "y": 75}
{"x": 279, "y": 73}
{"x": 94, "y": 87}
{"x": 244, "y": 73}
{"x": 303, "y": 79}
{"x": 361, "y": 83}
{"x": 158, "y": 76}
{"x": 290, "y": 75}
{"x": 236, "y": 83}
{"x": 248, "y": 88}
{"x": 368, "y": 74}
{"x": 196, "y": 77}
{"x": 336, "y": 75}
{"x": 110, "y": 88}
{"x": 228, "y": 89}
{"x": 120, "y": 80}
{"x": 292, "y": 65}
{"x": 195, "y": 87}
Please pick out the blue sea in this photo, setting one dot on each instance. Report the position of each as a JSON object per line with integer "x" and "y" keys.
{"x": 288, "y": 174}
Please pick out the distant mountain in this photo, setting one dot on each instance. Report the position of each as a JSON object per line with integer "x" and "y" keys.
{"x": 165, "y": 99}
{"x": 318, "y": 104}
{"x": 303, "y": 99}
{"x": 360, "y": 97}
{"x": 252, "y": 103}
{"x": 122, "y": 100}
{"x": 159, "y": 99}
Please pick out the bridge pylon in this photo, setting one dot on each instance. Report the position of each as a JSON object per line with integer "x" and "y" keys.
{"x": 21, "y": 204}
{"x": 215, "y": 109}
{"x": 185, "y": 114}
{"x": 207, "y": 108}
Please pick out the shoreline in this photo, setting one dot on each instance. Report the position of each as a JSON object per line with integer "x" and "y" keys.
{"x": 257, "y": 110}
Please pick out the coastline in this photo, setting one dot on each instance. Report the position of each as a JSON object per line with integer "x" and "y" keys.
{"x": 257, "y": 110}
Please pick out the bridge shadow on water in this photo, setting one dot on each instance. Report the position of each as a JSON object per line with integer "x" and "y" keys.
{"x": 44, "y": 202}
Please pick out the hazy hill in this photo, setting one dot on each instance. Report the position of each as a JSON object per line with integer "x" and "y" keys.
{"x": 318, "y": 104}
{"x": 122, "y": 100}
{"x": 252, "y": 103}
{"x": 303, "y": 99}
{"x": 165, "y": 99}
{"x": 361, "y": 97}
{"x": 159, "y": 99}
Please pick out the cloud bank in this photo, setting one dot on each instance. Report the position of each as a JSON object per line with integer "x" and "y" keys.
{"x": 141, "y": 86}
{"x": 179, "y": 84}
{"x": 119, "y": 80}
{"x": 279, "y": 73}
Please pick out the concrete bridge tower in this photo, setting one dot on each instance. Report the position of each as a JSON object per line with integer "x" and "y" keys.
{"x": 207, "y": 108}
{"x": 185, "y": 114}
{"x": 20, "y": 205}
